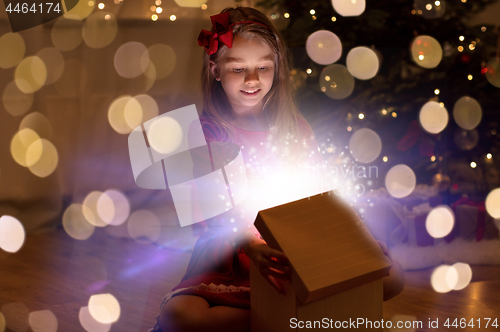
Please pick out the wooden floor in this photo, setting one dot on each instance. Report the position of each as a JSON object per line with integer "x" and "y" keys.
{"x": 55, "y": 272}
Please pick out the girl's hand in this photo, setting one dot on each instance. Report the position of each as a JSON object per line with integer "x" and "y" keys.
{"x": 272, "y": 264}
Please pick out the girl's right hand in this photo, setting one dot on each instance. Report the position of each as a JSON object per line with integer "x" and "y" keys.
{"x": 272, "y": 264}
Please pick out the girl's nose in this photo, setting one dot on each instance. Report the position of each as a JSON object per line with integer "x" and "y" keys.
{"x": 252, "y": 77}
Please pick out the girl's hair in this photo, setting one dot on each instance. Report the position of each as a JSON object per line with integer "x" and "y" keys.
{"x": 279, "y": 104}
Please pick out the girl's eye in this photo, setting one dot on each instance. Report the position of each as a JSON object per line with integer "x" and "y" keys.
{"x": 237, "y": 70}
{"x": 262, "y": 68}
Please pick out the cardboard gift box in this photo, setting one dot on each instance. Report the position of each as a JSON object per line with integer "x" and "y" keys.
{"x": 336, "y": 265}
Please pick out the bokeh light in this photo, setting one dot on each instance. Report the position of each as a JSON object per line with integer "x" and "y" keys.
{"x": 54, "y": 63}
{"x": 89, "y": 323}
{"x": 42, "y": 158}
{"x": 37, "y": 122}
{"x": 440, "y": 221}
{"x": 113, "y": 207}
{"x": 493, "y": 72}
{"x": 433, "y": 117}
{"x": 73, "y": 79}
{"x": 493, "y": 203}
{"x": 466, "y": 139}
{"x": 91, "y": 213}
{"x": 442, "y": 277}
{"x": 349, "y": 7}
{"x": 464, "y": 273}
{"x": 81, "y": 11}
{"x": 99, "y": 29}
{"x": 144, "y": 226}
{"x": 467, "y": 113}
{"x": 426, "y": 51}
{"x": 165, "y": 135}
{"x": 143, "y": 104}
{"x": 365, "y": 145}
{"x": 190, "y": 3}
{"x": 75, "y": 224}
{"x": 30, "y": 74}
{"x": 430, "y": 9}
{"x": 12, "y": 49}
{"x": 43, "y": 321}
{"x": 324, "y": 47}
{"x": 12, "y": 234}
{"x": 15, "y": 101}
{"x": 131, "y": 59}
{"x": 116, "y": 114}
{"x": 16, "y": 316}
{"x": 164, "y": 59}
{"x": 20, "y": 144}
{"x": 66, "y": 34}
{"x": 104, "y": 308}
{"x": 362, "y": 63}
{"x": 336, "y": 81}
{"x": 400, "y": 181}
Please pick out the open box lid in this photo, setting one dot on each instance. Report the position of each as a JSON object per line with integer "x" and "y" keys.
{"x": 328, "y": 245}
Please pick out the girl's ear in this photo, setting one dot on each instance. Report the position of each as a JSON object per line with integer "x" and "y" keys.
{"x": 214, "y": 69}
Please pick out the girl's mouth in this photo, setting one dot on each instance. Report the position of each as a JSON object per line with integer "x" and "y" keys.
{"x": 250, "y": 92}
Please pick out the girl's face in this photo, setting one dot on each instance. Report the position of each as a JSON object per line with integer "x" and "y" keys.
{"x": 246, "y": 73}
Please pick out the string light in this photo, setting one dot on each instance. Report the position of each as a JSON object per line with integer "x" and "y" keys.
{"x": 469, "y": 77}
{"x": 461, "y": 38}
{"x": 385, "y": 159}
{"x": 154, "y": 17}
{"x": 437, "y": 3}
{"x": 441, "y": 104}
{"x": 100, "y": 5}
{"x": 349, "y": 128}
{"x": 428, "y": 6}
{"x": 436, "y": 91}
{"x": 312, "y": 12}
{"x": 489, "y": 156}
{"x": 204, "y": 6}
{"x": 286, "y": 15}
{"x": 472, "y": 47}
{"x": 473, "y": 164}
{"x": 314, "y": 17}
{"x": 413, "y": 12}
{"x": 159, "y": 10}
{"x": 394, "y": 114}
{"x": 349, "y": 115}
{"x": 334, "y": 19}
{"x": 483, "y": 29}
{"x": 152, "y": 8}
{"x": 464, "y": 1}
{"x": 309, "y": 71}
{"x": 158, "y": 2}
{"x": 433, "y": 158}
{"x": 327, "y": 78}
{"x": 361, "y": 116}
{"x": 460, "y": 48}
{"x": 384, "y": 111}
{"x": 173, "y": 18}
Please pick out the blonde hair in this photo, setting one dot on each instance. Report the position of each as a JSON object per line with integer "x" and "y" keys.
{"x": 279, "y": 104}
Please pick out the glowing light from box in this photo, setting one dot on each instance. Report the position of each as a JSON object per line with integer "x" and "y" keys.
{"x": 12, "y": 49}
{"x": 75, "y": 224}
{"x": 90, "y": 211}
{"x": 20, "y": 144}
{"x": 493, "y": 203}
{"x": 16, "y": 316}
{"x": 464, "y": 273}
{"x": 433, "y": 117}
{"x": 73, "y": 79}
{"x": 362, "y": 62}
{"x": 190, "y": 3}
{"x": 113, "y": 207}
{"x": 12, "y": 234}
{"x": 131, "y": 59}
{"x": 341, "y": 82}
{"x": 15, "y": 101}
{"x": 365, "y": 145}
{"x": 89, "y": 323}
{"x": 54, "y": 62}
{"x": 440, "y": 221}
{"x": 493, "y": 72}
{"x": 164, "y": 59}
{"x": 81, "y": 11}
{"x": 43, "y": 321}
{"x": 324, "y": 47}
{"x": 426, "y": 51}
{"x": 66, "y": 34}
{"x": 349, "y": 7}
{"x": 144, "y": 226}
{"x": 99, "y": 31}
{"x": 42, "y": 158}
{"x": 30, "y": 74}
{"x": 104, "y": 308}
{"x": 443, "y": 279}
{"x": 400, "y": 181}
{"x": 165, "y": 135}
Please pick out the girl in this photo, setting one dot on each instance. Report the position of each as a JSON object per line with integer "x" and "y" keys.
{"x": 247, "y": 100}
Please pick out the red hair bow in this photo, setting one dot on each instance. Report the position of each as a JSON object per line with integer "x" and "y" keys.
{"x": 223, "y": 32}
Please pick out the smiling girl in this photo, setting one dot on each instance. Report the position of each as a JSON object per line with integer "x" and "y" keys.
{"x": 247, "y": 100}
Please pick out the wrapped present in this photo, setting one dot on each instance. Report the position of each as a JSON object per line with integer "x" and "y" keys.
{"x": 472, "y": 222}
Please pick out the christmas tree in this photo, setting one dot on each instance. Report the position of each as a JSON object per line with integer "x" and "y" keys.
{"x": 427, "y": 52}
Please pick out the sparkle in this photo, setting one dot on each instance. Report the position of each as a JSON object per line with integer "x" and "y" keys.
{"x": 473, "y": 164}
